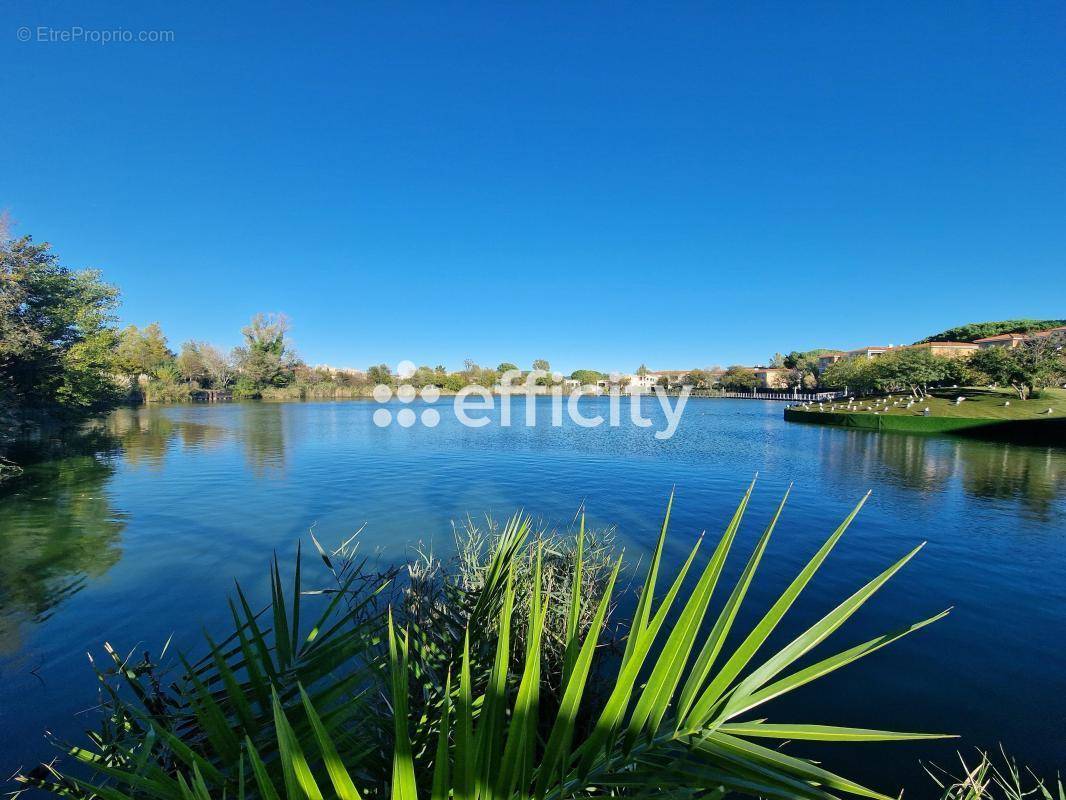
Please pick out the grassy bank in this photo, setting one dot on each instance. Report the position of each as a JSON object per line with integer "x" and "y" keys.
{"x": 985, "y": 413}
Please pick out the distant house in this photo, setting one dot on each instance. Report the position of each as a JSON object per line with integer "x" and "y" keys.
{"x": 826, "y": 359}
{"x": 335, "y": 371}
{"x": 950, "y": 349}
{"x": 1009, "y": 340}
{"x": 641, "y": 382}
{"x": 771, "y": 377}
{"x": 651, "y": 378}
{"x": 867, "y": 352}
{"x": 1055, "y": 334}
{"x": 673, "y": 377}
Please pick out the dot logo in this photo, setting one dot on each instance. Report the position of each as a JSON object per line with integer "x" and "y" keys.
{"x": 475, "y": 405}
{"x": 406, "y": 393}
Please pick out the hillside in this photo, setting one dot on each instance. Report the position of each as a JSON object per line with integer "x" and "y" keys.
{"x": 979, "y": 330}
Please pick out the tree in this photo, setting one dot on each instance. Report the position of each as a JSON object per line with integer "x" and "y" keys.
{"x": 142, "y": 351}
{"x": 265, "y": 359}
{"x": 56, "y": 332}
{"x": 1030, "y": 367}
{"x": 455, "y": 381}
{"x": 190, "y": 363}
{"x": 642, "y": 370}
{"x": 425, "y": 376}
{"x": 804, "y": 366}
{"x": 700, "y": 378}
{"x": 379, "y": 374}
{"x": 858, "y": 375}
{"x": 587, "y": 377}
{"x": 506, "y": 366}
{"x": 911, "y": 369}
{"x": 778, "y": 361}
{"x": 218, "y": 365}
{"x": 541, "y": 363}
{"x": 738, "y": 379}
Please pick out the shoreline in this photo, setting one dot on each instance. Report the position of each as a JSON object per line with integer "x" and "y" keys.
{"x": 1050, "y": 431}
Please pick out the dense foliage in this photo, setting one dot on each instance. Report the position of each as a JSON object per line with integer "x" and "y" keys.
{"x": 587, "y": 377}
{"x": 738, "y": 379}
{"x": 911, "y": 370}
{"x": 57, "y": 339}
{"x": 1028, "y": 368}
{"x": 979, "y": 330}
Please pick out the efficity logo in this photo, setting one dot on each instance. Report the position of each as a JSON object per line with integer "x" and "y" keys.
{"x": 475, "y": 406}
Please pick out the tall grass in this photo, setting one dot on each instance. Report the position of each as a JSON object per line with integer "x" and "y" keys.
{"x": 987, "y": 780}
{"x": 324, "y": 390}
{"x": 446, "y": 687}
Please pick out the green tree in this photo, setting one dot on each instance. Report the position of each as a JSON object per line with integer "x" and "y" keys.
{"x": 803, "y": 366}
{"x": 455, "y": 381}
{"x": 858, "y": 375}
{"x": 379, "y": 374}
{"x": 699, "y": 378}
{"x": 219, "y": 366}
{"x": 425, "y": 376}
{"x": 1030, "y": 367}
{"x": 265, "y": 359}
{"x": 911, "y": 369}
{"x": 142, "y": 351}
{"x": 738, "y": 379}
{"x": 587, "y": 377}
{"x": 541, "y": 363}
{"x": 191, "y": 363}
{"x": 506, "y": 366}
{"x": 804, "y": 360}
{"x": 56, "y": 332}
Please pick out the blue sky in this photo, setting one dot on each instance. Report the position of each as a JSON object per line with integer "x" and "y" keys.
{"x": 598, "y": 184}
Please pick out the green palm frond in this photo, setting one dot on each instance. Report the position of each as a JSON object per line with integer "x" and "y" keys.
{"x": 281, "y": 717}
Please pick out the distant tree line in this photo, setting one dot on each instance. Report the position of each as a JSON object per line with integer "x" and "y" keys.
{"x": 62, "y": 355}
{"x": 1028, "y": 368}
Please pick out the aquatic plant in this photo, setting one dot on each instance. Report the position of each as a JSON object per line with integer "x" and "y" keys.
{"x": 986, "y": 780}
{"x": 374, "y": 699}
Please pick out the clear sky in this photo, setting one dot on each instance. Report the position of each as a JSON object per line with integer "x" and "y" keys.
{"x": 598, "y": 184}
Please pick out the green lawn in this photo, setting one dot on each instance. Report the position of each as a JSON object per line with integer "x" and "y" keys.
{"x": 979, "y": 404}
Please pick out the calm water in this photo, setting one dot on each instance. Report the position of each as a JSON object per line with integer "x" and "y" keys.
{"x": 139, "y": 531}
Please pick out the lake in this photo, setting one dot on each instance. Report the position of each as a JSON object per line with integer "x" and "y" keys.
{"x": 137, "y": 531}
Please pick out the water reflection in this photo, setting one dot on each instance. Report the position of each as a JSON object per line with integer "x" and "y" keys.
{"x": 146, "y": 435}
{"x": 1035, "y": 476}
{"x": 263, "y": 435}
{"x": 58, "y": 529}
